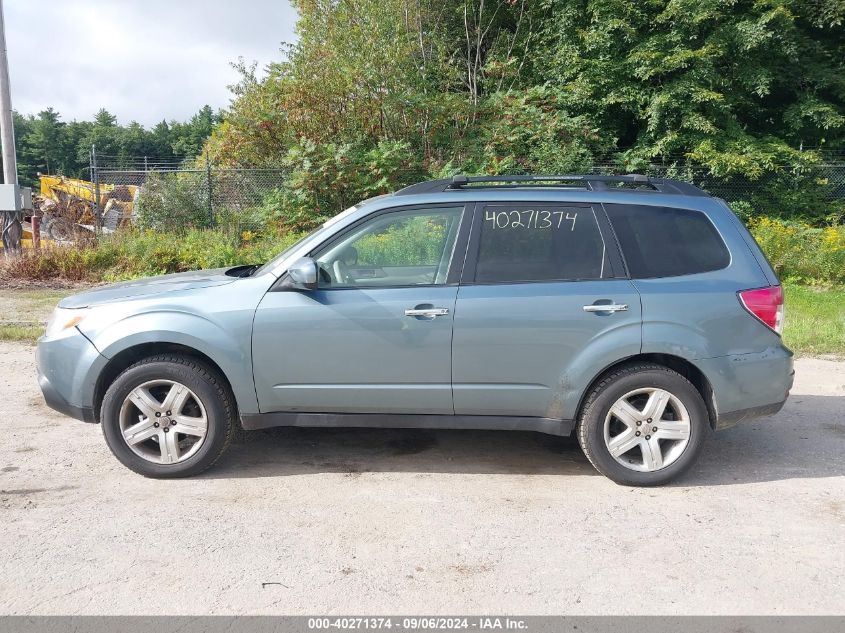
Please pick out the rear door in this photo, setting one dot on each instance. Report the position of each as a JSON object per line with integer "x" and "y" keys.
{"x": 542, "y": 282}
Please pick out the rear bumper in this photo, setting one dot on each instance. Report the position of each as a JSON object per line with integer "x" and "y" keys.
{"x": 727, "y": 420}
{"x": 747, "y": 386}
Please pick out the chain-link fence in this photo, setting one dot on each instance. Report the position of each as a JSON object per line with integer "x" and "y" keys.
{"x": 166, "y": 195}
{"x": 208, "y": 197}
{"x": 162, "y": 195}
{"x": 827, "y": 177}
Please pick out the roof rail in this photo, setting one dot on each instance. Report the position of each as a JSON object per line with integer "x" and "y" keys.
{"x": 593, "y": 183}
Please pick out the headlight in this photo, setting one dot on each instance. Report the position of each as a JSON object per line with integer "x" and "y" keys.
{"x": 64, "y": 318}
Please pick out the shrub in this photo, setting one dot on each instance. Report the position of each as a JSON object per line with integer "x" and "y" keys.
{"x": 144, "y": 253}
{"x": 174, "y": 202}
{"x": 408, "y": 243}
{"x": 801, "y": 252}
{"x": 533, "y": 131}
{"x": 238, "y": 220}
{"x": 325, "y": 179}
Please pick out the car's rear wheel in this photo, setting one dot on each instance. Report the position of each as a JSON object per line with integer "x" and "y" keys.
{"x": 643, "y": 425}
{"x": 168, "y": 416}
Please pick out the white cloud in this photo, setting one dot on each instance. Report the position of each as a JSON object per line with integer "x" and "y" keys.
{"x": 142, "y": 60}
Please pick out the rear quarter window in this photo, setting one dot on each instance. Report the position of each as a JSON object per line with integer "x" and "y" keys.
{"x": 667, "y": 242}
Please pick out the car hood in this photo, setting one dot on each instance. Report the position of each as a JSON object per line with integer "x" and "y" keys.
{"x": 148, "y": 287}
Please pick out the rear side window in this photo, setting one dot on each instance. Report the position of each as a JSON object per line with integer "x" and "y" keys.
{"x": 539, "y": 243}
{"x": 667, "y": 242}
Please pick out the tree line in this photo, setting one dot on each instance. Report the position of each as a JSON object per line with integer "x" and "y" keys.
{"x": 402, "y": 88}
{"x": 46, "y": 144}
{"x": 378, "y": 93}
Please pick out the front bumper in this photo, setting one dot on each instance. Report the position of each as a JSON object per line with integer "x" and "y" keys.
{"x": 68, "y": 367}
{"x": 747, "y": 386}
{"x": 56, "y": 402}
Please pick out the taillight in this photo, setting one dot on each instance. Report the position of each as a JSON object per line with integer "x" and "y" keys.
{"x": 766, "y": 304}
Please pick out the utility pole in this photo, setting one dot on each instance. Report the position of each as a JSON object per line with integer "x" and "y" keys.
{"x": 10, "y": 199}
{"x": 7, "y": 128}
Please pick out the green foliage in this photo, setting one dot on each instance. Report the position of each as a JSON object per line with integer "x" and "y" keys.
{"x": 532, "y": 131}
{"x": 805, "y": 194}
{"x": 735, "y": 86}
{"x": 49, "y": 145}
{"x": 133, "y": 254}
{"x": 254, "y": 219}
{"x": 325, "y": 179}
{"x": 373, "y": 71}
{"x": 731, "y": 94}
{"x": 174, "y": 202}
{"x": 187, "y": 139}
{"x": 416, "y": 241}
{"x": 802, "y": 253}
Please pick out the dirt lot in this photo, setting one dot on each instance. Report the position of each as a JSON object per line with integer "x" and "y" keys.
{"x": 374, "y": 521}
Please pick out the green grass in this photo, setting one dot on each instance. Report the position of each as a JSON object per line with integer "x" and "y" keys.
{"x": 40, "y": 300}
{"x": 23, "y": 312}
{"x": 25, "y": 306}
{"x": 815, "y": 320}
{"x": 21, "y": 333}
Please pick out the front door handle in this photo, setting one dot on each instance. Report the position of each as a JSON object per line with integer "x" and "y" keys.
{"x": 611, "y": 307}
{"x": 426, "y": 312}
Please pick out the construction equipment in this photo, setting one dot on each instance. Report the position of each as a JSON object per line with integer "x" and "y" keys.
{"x": 68, "y": 210}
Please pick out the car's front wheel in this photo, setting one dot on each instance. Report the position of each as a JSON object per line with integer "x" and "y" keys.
{"x": 168, "y": 416}
{"x": 643, "y": 425}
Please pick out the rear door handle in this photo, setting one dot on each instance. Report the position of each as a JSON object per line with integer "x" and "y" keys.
{"x": 611, "y": 307}
{"x": 426, "y": 312}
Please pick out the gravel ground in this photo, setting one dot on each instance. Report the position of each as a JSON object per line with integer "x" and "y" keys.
{"x": 375, "y": 521}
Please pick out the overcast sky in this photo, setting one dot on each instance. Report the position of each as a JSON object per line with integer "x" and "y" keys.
{"x": 142, "y": 60}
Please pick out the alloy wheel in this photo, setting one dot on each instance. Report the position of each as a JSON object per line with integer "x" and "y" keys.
{"x": 163, "y": 421}
{"x": 647, "y": 429}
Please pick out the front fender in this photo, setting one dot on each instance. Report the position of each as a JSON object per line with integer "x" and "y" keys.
{"x": 229, "y": 347}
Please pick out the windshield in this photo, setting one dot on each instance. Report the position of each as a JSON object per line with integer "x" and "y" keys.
{"x": 328, "y": 223}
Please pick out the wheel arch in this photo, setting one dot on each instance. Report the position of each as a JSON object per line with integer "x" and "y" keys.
{"x": 124, "y": 359}
{"x": 681, "y": 365}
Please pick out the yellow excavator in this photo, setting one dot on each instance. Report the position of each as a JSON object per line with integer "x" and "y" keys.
{"x": 67, "y": 211}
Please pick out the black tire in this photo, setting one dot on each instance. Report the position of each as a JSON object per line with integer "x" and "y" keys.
{"x": 208, "y": 386}
{"x": 610, "y": 388}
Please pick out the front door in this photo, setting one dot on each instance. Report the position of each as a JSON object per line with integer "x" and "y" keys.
{"x": 540, "y": 286}
{"x": 375, "y": 336}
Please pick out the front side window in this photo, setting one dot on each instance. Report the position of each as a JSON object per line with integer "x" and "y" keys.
{"x": 401, "y": 248}
{"x": 539, "y": 243}
{"x": 667, "y": 242}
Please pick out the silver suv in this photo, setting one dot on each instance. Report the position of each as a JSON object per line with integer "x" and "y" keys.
{"x": 638, "y": 313}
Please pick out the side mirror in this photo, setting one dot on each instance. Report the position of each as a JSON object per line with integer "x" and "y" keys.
{"x": 302, "y": 275}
